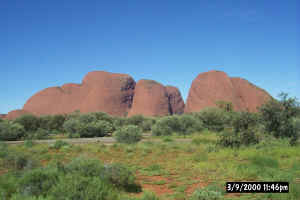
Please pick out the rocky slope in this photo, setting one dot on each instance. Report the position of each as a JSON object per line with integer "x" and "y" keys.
{"x": 213, "y": 86}
{"x": 119, "y": 95}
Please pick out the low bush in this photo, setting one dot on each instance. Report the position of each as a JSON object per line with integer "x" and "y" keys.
{"x": 128, "y": 134}
{"x": 277, "y": 116}
{"x": 10, "y": 131}
{"x": 3, "y": 149}
{"x": 71, "y": 125}
{"x": 84, "y": 167}
{"x": 86, "y": 127}
{"x": 73, "y": 186}
{"x": 120, "y": 176}
{"x": 188, "y": 124}
{"x": 28, "y": 143}
{"x": 136, "y": 120}
{"x": 244, "y": 120}
{"x": 37, "y": 181}
{"x": 166, "y": 126}
{"x": 18, "y": 161}
{"x": 38, "y": 134}
{"x": 52, "y": 122}
{"x": 296, "y": 127}
{"x": 203, "y": 194}
{"x": 215, "y": 119}
{"x": 95, "y": 129}
{"x": 229, "y": 138}
{"x": 59, "y": 144}
{"x": 30, "y": 122}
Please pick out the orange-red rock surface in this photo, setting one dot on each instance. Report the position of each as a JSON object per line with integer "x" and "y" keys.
{"x": 100, "y": 91}
{"x": 150, "y": 99}
{"x": 119, "y": 95}
{"x": 213, "y": 86}
{"x": 16, "y": 113}
{"x": 176, "y": 103}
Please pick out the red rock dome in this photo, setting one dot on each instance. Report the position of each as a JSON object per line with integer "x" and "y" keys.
{"x": 99, "y": 91}
{"x": 213, "y": 86}
{"x": 150, "y": 99}
{"x": 176, "y": 102}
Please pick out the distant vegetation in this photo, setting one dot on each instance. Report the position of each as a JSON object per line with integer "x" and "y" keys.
{"x": 250, "y": 146}
{"x": 279, "y": 118}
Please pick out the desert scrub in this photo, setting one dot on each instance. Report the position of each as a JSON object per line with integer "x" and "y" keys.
{"x": 10, "y": 131}
{"x": 128, "y": 134}
{"x": 59, "y": 144}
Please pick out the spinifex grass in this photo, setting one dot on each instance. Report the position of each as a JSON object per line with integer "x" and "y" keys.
{"x": 182, "y": 167}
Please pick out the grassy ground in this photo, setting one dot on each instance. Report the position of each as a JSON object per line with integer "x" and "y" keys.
{"x": 174, "y": 170}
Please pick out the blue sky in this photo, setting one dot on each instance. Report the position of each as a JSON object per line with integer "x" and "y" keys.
{"x": 49, "y": 43}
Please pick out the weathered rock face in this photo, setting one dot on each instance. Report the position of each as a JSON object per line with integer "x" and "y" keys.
{"x": 213, "y": 86}
{"x": 2, "y": 116}
{"x": 250, "y": 96}
{"x": 100, "y": 91}
{"x": 176, "y": 103}
{"x": 16, "y": 113}
{"x": 150, "y": 99}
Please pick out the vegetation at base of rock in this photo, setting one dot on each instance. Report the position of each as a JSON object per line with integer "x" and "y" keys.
{"x": 278, "y": 117}
{"x": 128, "y": 134}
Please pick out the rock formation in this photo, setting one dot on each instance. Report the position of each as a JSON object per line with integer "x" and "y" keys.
{"x": 2, "y": 116}
{"x": 119, "y": 95}
{"x": 150, "y": 99}
{"x": 213, "y": 86}
{"x": 100, "y": 91}
{"x": 16, "y": 113}
{"x": 176, "y": 103}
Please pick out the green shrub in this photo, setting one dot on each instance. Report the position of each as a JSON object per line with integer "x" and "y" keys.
{"x": 8, "y": 185}
{"x": 147, "y": 124}
{"x": 38, "y": 134}
{"x": 3, "y": 149}
{"x": 136, "y": 120}
{"x": 86, "y": 127}
{"x": 166, "y": 126}
{"x": 103, "y": 116}
{"x": 73, "y": 186}
{"x": 38, "y": 181}
{"x": 207, "y": 194}
{"x": 119, "y": 122}
{"x": 10, "y": 131}
{"x": 71, "y": 125}
{"x": 84, "y": 167}
{"x": 59, "y": 144}
{"x": 277, "y": 116}
{"x": 149, "y": 196}
{"x": 19, "y": 161}
{"x": 120, "y": 176}
{"x": 214, "y": 119}
{"x": 22, "y": 197}
{"x": 229, "y": 138}
{"x": 128, "y": 134}
{"x": 52, "y": 122}
{"x": 28, "y": 143}
{"x": 95, "y": 129}
{"x": 30, "y": 122}
{"x": 73, "y": 135}
{"x": 296, "y": 128}
{"x": 244, "y": 120}
{"x": 188, "y": 124}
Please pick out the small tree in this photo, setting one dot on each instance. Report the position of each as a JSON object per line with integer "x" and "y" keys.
{"x": 11, "y": 131}
{"x": 29, "y": 122}
{"x": 278, "y": 116}
{"x": 128, "y": 134}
